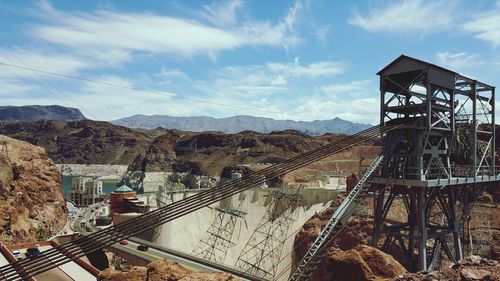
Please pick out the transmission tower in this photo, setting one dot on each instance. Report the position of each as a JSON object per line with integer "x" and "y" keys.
{"x": 214, "y": 245}
{"x": 261, "y": 255}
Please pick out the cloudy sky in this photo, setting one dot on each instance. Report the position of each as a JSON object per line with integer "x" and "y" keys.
{"x": 300, "y": 60}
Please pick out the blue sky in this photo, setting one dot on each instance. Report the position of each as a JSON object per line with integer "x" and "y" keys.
{"x": 300, "y": 60}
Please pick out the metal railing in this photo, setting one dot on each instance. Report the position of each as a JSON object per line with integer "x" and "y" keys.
{"x": 444, "y": 173}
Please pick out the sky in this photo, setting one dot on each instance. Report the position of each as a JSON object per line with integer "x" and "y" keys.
{"x": 299, "y": 60}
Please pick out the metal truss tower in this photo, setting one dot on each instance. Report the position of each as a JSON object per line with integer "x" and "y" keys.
{"x": 214, "y": 245}
{"x": 441, "y": 159}
{"x": 261, "y": 255}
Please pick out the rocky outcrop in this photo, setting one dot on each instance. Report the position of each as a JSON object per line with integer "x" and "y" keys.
{"x": 32, "y": 202}
{"x": 472, "y": 268}
{"x": 163, "y": 270}
{"x": 348, "y": 256}
{"x": 361, "y": 263}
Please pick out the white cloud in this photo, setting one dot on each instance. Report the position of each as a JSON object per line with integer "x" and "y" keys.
{"x": 105, "y": 30}
{"x": 250, "y": 81}
{"x": 358, "y": 88}
{"x": 355, "y": 110}
{"x": 168, "y": 75}
{"x": 37, "y": 59}
{"x": 121, "y": 101}
{"x": 243, "y": 82}
{"x": 12, "y": 88}
{"x": 279, "y": 81}
{"x": 222, "y": 13}
{"x": 408, "y": 16}
{"x": 458, "y": 61}
{"x": 315, "y": 69}
{"x": 291, "y": 18}
{"x": 486, "y": 25}
{"x": 321, "y": 32}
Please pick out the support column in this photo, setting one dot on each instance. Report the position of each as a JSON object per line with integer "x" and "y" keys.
{"x": 412, "y": 227}
{"x": 453, "y": 224}
{"x": 422, "y": 230}
{"x": 493, "y": 128}
{"x": 474, "y": 128}
{"x": 382, "y": 101}
{"x": 419, "y": 149}
{"x": 377, "y": 213}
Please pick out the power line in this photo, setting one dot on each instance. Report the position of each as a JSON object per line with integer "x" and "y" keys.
{"x": 135, "y": 89}
{"x": 63, "y": 95}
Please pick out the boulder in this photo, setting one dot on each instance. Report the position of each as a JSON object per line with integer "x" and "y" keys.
{"x": 473, "y": 274}
{"x": 380, "y": 263}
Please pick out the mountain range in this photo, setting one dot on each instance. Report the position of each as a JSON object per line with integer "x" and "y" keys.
{"x": 230, "y": 125}
{"x": 239, "y": 123}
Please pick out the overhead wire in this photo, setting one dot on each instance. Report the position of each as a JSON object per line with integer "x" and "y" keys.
{"x": 253, "y": 179}
{"x": 88, "y": 81}
{"x": 162, "y": 94}
{"x": 65, "y": 98}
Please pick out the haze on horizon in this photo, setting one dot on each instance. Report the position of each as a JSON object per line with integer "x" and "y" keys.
{"x": 298, "y": 60}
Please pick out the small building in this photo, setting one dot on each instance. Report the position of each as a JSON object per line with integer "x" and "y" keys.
{"x": 117, "y": 202}
{"x": 86, "y": 191}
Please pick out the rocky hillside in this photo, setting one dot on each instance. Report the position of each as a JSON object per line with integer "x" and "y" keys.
{"x": 208, "y": 153}
{"x": 163, "y": 270}
{"x": 81, "y": 142}
{"x": 39, "y": 112}
{"x": 235, "y": 124}
{"x": 32, "y": 203}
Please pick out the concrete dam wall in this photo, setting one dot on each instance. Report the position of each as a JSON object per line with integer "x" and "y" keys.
{"x": 185, "y": 233}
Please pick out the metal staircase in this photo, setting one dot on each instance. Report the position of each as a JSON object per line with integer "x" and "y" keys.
{"x": 336, "y": 223}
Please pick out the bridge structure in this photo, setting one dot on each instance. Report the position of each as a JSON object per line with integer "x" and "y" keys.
{"x": 438, "y": 161}
{"x": 438, "y": 129}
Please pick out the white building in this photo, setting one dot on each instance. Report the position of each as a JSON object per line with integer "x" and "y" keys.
{"x": 86, "y": 191}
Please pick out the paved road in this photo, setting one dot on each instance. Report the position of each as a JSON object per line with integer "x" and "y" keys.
{"x": 154, "y": 252}
{"x": 196, "y": 264}
{"x": 85, "y": 214}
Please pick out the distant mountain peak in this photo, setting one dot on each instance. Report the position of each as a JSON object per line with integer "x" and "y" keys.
{"x": 39, "y": 112}
{"x": 239, "y": 123}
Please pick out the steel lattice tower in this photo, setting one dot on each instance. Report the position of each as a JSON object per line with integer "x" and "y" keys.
{"x": 261, "y": 255}
{"x": 214, "y": 245}
{"x": 440, "y": 161}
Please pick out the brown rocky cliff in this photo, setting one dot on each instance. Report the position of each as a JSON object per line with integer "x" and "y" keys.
{"x": 32, "y": 202}
{"x": 97, "y": 142}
